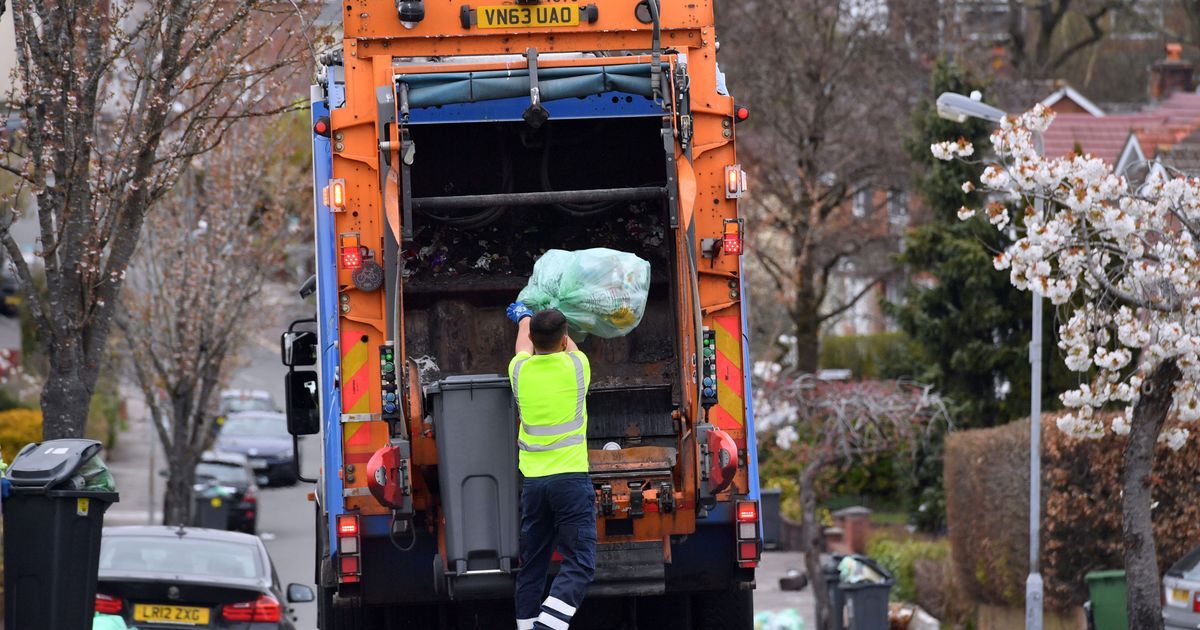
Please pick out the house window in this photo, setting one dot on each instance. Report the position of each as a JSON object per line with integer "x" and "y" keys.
{"x": 862, "y": 203}
{"x": 897, "y": 204}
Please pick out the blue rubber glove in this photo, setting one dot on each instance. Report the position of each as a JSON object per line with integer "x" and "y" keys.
{"x": 518, "y": 311}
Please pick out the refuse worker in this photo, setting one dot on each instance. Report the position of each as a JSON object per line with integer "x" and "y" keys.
{"x": 550, "y": 379}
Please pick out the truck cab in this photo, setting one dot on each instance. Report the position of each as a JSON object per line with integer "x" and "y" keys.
{"x": 453, "y": 144}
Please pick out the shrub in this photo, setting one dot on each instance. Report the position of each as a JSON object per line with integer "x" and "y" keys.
{"x": 987, "y": 511}
{"x": 987, "y": 505}
{"x": 867, "y": 356}
{"x": 900, "y": 557}
{"x": 18, "y": 427}
{"x": 1081, "y": 529}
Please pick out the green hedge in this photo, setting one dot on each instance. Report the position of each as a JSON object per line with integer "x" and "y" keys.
{"x": 900, "y": 557}
{"x": 868, "y": 356}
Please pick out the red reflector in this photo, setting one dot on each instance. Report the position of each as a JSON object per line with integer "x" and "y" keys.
{"x": 742, "y": 113}
{"x": 107, "y": 604}
{"x": 748, "y": 551}
{"x": 747, "y": 511}
{"x": 351, "y": 258}
{"x": 349, "y": 564}
{"x": 263, "y": 609}
{"x": 733, "y": 244}
{"x": 556, "y": 556}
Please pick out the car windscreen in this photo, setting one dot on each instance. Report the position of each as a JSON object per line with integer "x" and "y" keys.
{"x": 180, "y": 556}
{"x": 223, "y": 473}
{"x": 256, "y": 426}
{"x": 235, "y": 404}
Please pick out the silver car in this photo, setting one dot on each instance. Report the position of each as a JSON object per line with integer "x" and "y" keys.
{"x": 1181, "y": 593}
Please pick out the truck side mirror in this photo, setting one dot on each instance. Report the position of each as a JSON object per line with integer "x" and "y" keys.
{"x": 303, "y": 403}
{"x": 298, "y": 348}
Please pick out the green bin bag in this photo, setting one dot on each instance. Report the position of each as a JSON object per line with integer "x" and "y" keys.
{"x": 601, "y": 291}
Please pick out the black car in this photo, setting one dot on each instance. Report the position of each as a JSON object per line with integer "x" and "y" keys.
{"x": 231, "y": 472}
{"x": 263, "y": 438}
{"x": 158, "y": 577}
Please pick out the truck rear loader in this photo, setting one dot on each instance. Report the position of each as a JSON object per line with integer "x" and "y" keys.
{"x": 453, "y": 144}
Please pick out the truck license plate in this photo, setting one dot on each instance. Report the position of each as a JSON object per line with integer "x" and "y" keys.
{"x": 509, "y": 16}
{"x": 177, "y": 615}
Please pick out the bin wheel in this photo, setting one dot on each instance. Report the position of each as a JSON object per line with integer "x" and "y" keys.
{"x": 723, "y": 610}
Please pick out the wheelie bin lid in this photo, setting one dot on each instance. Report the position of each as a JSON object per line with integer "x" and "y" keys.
{"x": 50, "y": 463}
{"x": 469, "y": 381}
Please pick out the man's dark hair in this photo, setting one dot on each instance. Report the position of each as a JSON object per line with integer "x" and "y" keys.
{"x": 546, "y": 329}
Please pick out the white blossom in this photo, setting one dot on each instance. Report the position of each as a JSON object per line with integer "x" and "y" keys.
{"x": 1120, "y": 257}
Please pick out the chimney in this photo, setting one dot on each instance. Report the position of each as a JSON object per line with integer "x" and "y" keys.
{"x": 1171, "y": 75}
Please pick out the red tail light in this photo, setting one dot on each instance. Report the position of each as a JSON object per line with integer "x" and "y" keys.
{"x": 747, "y": 511}
{"x": 107, "y": 604}
{"x": 263, "y": 609}
{"x": 350, "y": 564}
{"x": 748, "y": 551}
{"x": 347, "y": 525}
{"x": 251, "y": 496}
{"x": 1196, "y": 602}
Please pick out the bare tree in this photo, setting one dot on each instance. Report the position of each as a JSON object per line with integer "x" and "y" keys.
{"x": 194, "y": 283}
{"x": 829, "y": 87}
{"x": 829, "y": 425}
{"x": 117, "y": 97}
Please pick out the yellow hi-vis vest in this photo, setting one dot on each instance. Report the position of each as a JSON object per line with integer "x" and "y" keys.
{"x": 551, "y": 393}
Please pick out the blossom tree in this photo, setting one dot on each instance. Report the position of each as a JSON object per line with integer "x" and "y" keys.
{"x": 824, "y": 426}
{"x": 1120, "y": 260}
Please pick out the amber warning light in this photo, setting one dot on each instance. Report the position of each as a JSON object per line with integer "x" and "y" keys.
{"x": 334, "y": 195}
{"x": 735, "y": 181}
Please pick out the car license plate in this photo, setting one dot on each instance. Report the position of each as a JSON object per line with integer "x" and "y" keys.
{"x": 1180, "y": 595}
{"x": 540, "y": 15}
{"x": 258, "y": 464}
{"x": 177, "y": 615}
{"x": 12, "y": 300}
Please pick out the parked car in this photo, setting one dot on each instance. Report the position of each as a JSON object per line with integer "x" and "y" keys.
{"x": 158, "y": 577}
{"x": 233, "y": 473}
{"x": 263, "y": 438}
{"x": 237, "y": 400}
{"x": 1181, "y": 593}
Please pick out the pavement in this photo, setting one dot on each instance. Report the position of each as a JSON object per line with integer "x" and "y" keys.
{"x": 768, "y": 595}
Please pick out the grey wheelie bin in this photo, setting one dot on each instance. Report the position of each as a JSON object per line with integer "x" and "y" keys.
{"x": 53, "y": 515}
{"x": 476, "y": 429}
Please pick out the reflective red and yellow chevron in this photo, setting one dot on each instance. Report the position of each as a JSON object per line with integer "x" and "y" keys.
{"x": 730, "y": 411}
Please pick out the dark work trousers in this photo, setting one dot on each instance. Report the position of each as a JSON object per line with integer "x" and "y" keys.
{"x": 558, "y": 511}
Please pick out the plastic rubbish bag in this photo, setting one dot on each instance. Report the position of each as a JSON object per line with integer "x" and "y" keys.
{"x": 854, "y": 570}
{"x": 93, "y": 475}
{"x": 786, "y": 619}
{"x": 601, "y": 291}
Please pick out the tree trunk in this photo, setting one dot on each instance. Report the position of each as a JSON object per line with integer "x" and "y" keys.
{"x": 810, "y": 541}
{"x": 66, "y": 398}
{"x": 181, "y": 476}
{"x": 1137, "y": 527}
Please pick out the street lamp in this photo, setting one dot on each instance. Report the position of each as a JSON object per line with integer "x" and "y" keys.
{"x": 959, "y": 108}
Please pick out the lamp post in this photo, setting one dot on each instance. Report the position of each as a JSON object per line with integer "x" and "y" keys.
{"x": 959, "y": 108}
